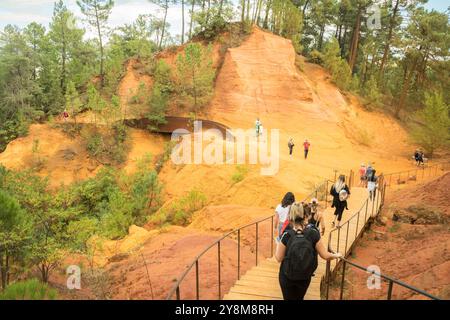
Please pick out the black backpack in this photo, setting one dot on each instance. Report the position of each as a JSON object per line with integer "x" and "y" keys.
{"x": 300, "y": 260}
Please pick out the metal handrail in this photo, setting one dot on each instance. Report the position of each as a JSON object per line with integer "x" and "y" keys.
{"x": 176, "y": 288}
{"x": 195, "y": 262}
{"x": 380, "y": 193}
{"x": 416, "y": 172}
{"x": 217, "y": 242}
{"x": 391, "y": 280}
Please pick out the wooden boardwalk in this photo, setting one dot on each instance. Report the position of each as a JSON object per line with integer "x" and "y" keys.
{"x": 261, "y": 282}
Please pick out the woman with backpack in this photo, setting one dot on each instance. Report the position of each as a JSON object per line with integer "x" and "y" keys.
{"x": 340, "y": 193}
{"x": 297, "y": 251}
{"x": 282, "y": 213}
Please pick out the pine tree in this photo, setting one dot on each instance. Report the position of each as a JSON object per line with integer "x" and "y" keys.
{"x": 97, "y": 13}
{"x": 433, "y": 133}
{"x": 73, "y": 101}
{"x": 195, "y": 76}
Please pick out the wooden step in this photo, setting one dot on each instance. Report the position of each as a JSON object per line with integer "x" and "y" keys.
{"x": 241, "y": 296}
{"x": 273, "y": 293}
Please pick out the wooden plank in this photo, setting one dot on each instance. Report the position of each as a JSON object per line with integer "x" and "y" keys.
{"x": 256, "y": 291}
{"x": 240, "y": 296}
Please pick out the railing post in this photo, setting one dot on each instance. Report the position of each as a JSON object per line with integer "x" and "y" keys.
{"x": 365, "y": 215}
{"x": 326, "y": 195}
{"x": 271, "y": 238}
{"x": 346, "y": 237}
{"x": 178, "y": 293}
{"x": 377, "y": 196}
{"x": 256, "y": 243}
{"x": 197, "y": 280}
{"x": 239, "y": 254}
{"x": 338, "y": 239}
{"x": 218, "y": 260}
{"x": 391, "y": 284}
{"x": 342, "y": 281}
{"x": 327, "y": 279}
{"x": 373, "y": 205}
{"x": 357, "y": 224}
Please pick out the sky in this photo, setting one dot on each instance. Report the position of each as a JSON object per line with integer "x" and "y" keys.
{"x": 22, "y": 12}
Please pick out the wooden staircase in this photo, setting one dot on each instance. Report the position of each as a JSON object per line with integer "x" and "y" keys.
{"x": 261, "y": 282}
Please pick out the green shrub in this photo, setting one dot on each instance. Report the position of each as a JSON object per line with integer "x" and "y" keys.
{"x": 180, "y": 212}
{"x": 239, "y": 174}
{"x": 316, "y": 57}
{"x": 31, "y": 289}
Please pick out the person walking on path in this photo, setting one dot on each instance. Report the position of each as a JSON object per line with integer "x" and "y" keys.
{"x": 306, "y": 146}
{"x": 282, "y": 213}
{"x": 372, "y": 185}
{"x": 362, "y": 175}
{"x": 340, "y": 193}
{"x": 369, "y": 170}
{"x": 316, "y": 218}
{"x": 258, "y": 127}
{"x": 291, "y": 146}
{"x": 298, "y": 252}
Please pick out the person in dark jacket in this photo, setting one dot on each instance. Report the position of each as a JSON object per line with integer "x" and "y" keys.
{"x": 340, "y": 193}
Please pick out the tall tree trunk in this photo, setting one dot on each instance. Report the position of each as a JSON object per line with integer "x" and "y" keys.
{"x": 208, "y": 11}
{"x": 355, "y": 40}
{"x": 404, "y": 93}
{"x": 258, "y": 12}
{"x": 242, "y": 14}
{"x": 220, "y": 8}
{"x": 388, "y": 40}
{"x": 266, "y": 18}
{"x": 304, "y": 8}
{"x": 248, "y": 10}
{"x": 182, "y": 21}
{"x": 3, "y": 271}
{"x": 102, "y": 80}
{"x": 166, "y": 8}
{"x": 342, "y": 44}
{"x": 63, "y": 62}
{"x": 192, "y": 15}
{"x": 322, "y": 31}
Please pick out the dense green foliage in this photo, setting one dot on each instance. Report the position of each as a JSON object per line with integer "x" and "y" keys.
{"x": 38, "y": 225}
{"x": 31, "y": 289}
{"x": 433, "y": 133}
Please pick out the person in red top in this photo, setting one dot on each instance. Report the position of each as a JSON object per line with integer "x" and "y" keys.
{"x": 306, "y": 145}
{"x": 362, "y": 175}
{"x": 65, "y": 115}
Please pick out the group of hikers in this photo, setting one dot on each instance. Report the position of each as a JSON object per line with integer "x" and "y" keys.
{"x": 306, "y": 146}
{"x": 259, "y": 131}
{"x": 300, "y": 227}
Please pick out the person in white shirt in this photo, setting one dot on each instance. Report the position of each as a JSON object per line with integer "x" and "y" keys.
{"x": 282, "y": 213}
